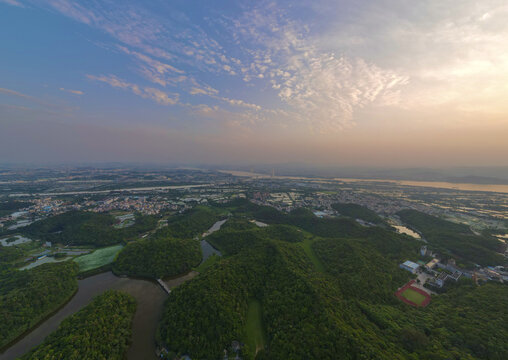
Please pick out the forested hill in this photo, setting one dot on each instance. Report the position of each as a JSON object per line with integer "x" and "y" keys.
{"x": 26, "y": 297}
{"x": 357, "y": 212}
{"x": 455, "y": 240}
{"x": 325, "y": 298}
{"x": 172, "y": 250}
{"x": 87, "y": 228}
{"x": 193, "y": 222}
{"x": 101, "y": 330}
{"x": 158, "y": 257}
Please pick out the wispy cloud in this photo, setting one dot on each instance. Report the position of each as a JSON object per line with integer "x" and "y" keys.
{"x": 323, "y": 88}
{"x": 321, "y": 74}
{"x": 16, "y": 93}
{"x": 75, "y": 92}
{"x": 30, "y": 98}
{"x": 154, "y": 94}
{"x": 12, "y": 2}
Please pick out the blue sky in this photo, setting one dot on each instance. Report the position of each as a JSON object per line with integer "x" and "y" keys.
{"x": 386, "y": 82}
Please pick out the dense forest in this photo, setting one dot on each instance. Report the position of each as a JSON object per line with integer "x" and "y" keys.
{"x": 9, "y": 254}
{"x": 192, "y": 223}
{"x": 454, "y": 239}
{"x": 101, "y": 330}
{"x": 346, "y": 311}
{"x": 324, "y": 287}
{"x": 238, "y": 233}
{"x": 158, "y": 257}
{"x": 87, "y": 228}
{"x": 172, "y": 250}
{"x": 357, "y": 212}
{"x": 27, "y": 296}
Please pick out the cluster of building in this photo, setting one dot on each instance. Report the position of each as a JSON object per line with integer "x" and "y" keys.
{"x": 143, "y": 204}
{"x": 445, "y": 271}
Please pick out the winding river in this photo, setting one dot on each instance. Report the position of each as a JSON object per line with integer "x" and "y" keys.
{"x": 149, "y": 296}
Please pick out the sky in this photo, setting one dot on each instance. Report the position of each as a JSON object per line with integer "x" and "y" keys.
{"x": 392, "y": 83}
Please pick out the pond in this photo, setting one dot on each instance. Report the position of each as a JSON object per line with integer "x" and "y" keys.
{"x": 215, "y": 227}
{"x": 207, "y": 249}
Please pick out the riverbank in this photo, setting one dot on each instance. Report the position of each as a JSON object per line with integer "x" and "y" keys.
{"x": 150, "y": 299}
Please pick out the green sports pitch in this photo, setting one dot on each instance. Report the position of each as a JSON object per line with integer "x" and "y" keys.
{"x": 414, "y": 296}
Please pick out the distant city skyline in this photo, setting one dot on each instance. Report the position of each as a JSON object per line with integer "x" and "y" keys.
{"x": 385, "y": 83}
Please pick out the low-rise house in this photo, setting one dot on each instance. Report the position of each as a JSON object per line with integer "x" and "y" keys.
{"x": 444, "y": 277}
{"x": 432, "y": 264}
{"x": 409, "y": 266}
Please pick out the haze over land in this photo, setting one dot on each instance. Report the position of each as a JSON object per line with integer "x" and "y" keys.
{"x": 371, "y": 83}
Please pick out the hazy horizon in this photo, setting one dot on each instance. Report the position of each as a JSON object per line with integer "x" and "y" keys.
{"x": 385, "y": 84}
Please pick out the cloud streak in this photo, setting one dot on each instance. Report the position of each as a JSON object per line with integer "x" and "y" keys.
{"x": 75, "y": 92}
{"x": 154, "y": 94}
{"x": 322, "y": 89}
{"x": 310, "y": 62}
{"x": 12, "y": 2}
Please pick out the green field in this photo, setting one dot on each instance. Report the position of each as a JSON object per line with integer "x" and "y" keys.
{"x": 98, "y": 258}
{"x": 256, "y": 337}
{"x": 307, "y": 247}
{"x": 413, "y": 296}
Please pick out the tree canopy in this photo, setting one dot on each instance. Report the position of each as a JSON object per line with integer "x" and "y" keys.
{"x": 99, "y": 331}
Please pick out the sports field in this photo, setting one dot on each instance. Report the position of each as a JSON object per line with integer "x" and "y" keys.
{"x": 414, "y": 296}
{"x": 98, "y": 258}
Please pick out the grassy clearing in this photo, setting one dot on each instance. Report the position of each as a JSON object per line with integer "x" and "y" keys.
{"x": 212, "y": 259}
{"x": 307, "y": 247}
{"x": 414, "y": 296}
{"x": 256, "y": 338}
{"x": 98, "y": 258}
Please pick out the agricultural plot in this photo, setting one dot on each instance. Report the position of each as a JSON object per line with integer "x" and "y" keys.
{"x": 98, "y": 258}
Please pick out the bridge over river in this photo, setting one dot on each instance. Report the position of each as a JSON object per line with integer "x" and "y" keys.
{"x": 164, "y": 286}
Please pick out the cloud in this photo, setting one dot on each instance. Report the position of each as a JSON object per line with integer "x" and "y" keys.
{"x": 75, "y": 92}
{"x": 324, "y": 89}
{"x": 322, "y": 61}
{"x": 454, "y": 55}
{"x": 241, "y": 103}
{"x": 329, "y": 88}
{"x": 15, "y": 93}
{"x": 154, "y": 94}
{"x": 12, "y": 2}
{"x": 26, "y": 97}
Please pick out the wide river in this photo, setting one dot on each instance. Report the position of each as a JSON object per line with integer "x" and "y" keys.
{"x": 432, "y": 184}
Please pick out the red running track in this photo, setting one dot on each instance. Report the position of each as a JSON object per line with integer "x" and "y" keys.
{"x": 399, "y": 292}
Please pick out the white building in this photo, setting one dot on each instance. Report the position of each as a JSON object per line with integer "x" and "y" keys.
{"x": 409, "y": 266}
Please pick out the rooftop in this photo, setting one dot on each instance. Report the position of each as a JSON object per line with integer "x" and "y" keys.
{"x": 411, "y": 264}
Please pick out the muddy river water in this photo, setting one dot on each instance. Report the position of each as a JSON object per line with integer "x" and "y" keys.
{"x": 149, "y": 296}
